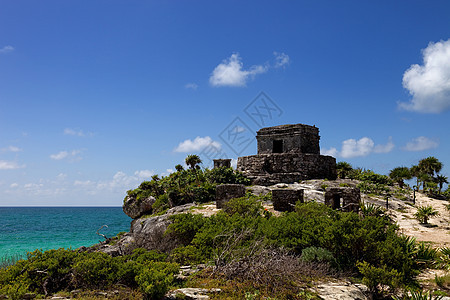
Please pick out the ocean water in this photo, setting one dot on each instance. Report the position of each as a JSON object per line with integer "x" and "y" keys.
{"x": 25, "y": 229}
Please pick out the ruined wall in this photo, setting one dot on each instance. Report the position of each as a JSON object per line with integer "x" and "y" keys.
{"x": 298, "y": 138}
{"x": 267, "y": 169}
{"x": 343, "y": 198}
{"x": 219, "y": 163}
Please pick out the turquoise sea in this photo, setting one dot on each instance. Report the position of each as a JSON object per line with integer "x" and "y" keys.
{"x": 25, "y": 229}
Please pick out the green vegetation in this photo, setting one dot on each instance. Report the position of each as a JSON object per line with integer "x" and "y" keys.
{"x": 424, "y": 213}
{"x": 185, "y": 186}
{"x": 45, "y": 273}
{"x": 250, "y": 253}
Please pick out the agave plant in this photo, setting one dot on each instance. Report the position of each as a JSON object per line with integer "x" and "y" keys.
{"x": 371, "y": 209}
{"x": 418, "y": 295}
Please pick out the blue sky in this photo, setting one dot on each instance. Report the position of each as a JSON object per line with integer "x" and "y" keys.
{"x": 96, "y": 96}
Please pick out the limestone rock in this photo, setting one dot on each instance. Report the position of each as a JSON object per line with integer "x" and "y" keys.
{"x": 147, "y": 233}
{"x": 341, "y": 291}
{"x": 192, "y": 293}
{"x": 136, "y": 208}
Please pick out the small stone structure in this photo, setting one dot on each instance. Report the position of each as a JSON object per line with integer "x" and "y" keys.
{"x": 218, "y": 163}
{"x": 285, "y": 199}
{"x": 226, "y": 192}
{"x": 287, "y": 153}
{"x": 343, "y": 198}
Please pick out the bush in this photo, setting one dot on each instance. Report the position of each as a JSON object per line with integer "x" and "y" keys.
{"x": 224, "y": 175}
{"x": 376, "y": 278}
{"x": 154, "y": 279}
{"x": 244, "y": 206}
{"x": 317, "y": 254}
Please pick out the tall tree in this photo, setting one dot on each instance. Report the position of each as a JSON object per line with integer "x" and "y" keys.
{"x": 430, "y": 165}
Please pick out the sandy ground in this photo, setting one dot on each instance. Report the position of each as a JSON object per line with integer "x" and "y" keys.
{"x": 437, "y": 232}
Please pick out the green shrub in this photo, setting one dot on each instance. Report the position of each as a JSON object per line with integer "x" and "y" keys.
{"x": 226, "y": 175}
{"x": 317, "y": 254}
{"x": 154, "y": 279}
{"x": 186, "y": 255}
{"x": 244, "y": 206}
{"x": 375, "y": 278}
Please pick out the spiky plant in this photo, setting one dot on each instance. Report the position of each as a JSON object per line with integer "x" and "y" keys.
{"x": 424, "y": 213}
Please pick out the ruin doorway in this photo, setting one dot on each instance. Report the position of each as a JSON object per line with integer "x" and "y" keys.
{"x": 277, "y": 146}
{"x": 336, "y": 201}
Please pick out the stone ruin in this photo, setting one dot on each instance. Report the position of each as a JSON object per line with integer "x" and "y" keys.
{"x": 285, "y": 199}
{"x": 226, "y": 192}
{"x": 343, "y": 198}
{"x": 224, "y": 162}
{"x": 287, "y": 153}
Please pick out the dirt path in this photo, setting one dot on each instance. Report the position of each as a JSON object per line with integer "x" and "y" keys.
{"x": 437, "y": 231}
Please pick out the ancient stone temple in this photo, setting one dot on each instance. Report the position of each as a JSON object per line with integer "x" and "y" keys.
{"x": 287, "y": 153}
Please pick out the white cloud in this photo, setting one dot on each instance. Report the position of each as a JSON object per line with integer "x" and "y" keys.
{"x": 144, "y": 174}
{"x": 358, "y": 148}
{"x": 231, "y": 73}
{"x": 355, "y": 148}
{"x": 11, "y": 149}
{"x": 429, "y": 84}
{"x": 197, "y": 144}
{"x": 6, "y": 49}
{"x": 14, "y": 185}
{"x": 421, "y": 143}
{"x": 281, "y": 59}
{"x": 331, "y": 152}
{"x": 72, "y": 155}
{"x": 384, "y": 148}
{"x": 77, "y": 132}
{"x": 191, "y": 86}
{"x": 10, "y": 165}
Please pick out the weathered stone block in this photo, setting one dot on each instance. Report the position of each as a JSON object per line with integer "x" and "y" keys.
{"x": 285, "y": 199}
{"x": 218, "y": 163}
{"x": 226, "y": 192}
{"x": 343, "y": 198}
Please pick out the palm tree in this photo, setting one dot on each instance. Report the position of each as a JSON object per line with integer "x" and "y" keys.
{"x": 430, "y": 165}
{"x": 441, "y": 179}
{"x": 399, "y": 174}
{"x": 424, "y": 213}
{"x": 342, "y": 169}
{"x": 193, "y": 161}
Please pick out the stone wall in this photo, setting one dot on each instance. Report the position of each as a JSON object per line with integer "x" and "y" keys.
{"x": 226, "y": 192}
{"x": 285, "y": 199}
{"x": 298, "y": 138}
{"x": 268, "y": 169}
{"x": 219, "y": 163}
{"x": 343, "y": 198}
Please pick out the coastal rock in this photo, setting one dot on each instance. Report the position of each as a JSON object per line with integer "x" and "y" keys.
{"x": 136, "y": 208}
{"x": 147, "y": 233}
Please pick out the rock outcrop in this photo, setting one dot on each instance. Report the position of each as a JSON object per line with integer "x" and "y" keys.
{"x": 136, "y": 208}
{"x": 146, "y": 232}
